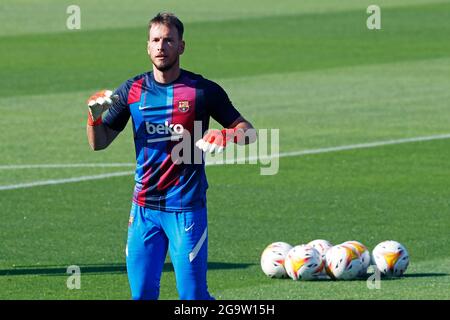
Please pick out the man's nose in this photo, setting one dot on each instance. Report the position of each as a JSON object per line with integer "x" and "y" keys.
{"x": 160, "y": 46}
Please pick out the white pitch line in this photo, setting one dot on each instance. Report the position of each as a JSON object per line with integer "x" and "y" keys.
{"x": 62, "y": 181}
{"x": 65, "y": 165}
{"x": 338, "y": 148}
{"x": 280, "y": 155}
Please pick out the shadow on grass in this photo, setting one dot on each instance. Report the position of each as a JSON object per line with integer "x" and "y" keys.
{"x": 383, "y": 278}
{"x": 408, "y": 275}
{"x": 104, "y": 269}
{"x": 425, "y": 275}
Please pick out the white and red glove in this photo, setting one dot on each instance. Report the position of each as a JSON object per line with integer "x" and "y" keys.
{"x": 216, "y": 140}
{"x": 98, "y": 103}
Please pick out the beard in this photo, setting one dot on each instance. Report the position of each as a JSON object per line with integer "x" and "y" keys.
{"x": 165, "y": 65}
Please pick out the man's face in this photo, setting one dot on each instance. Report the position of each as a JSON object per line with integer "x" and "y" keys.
{"x": 164, "y": 46}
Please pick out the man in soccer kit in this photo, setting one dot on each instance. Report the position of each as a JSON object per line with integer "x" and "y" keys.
{"x": 169, "y": 211}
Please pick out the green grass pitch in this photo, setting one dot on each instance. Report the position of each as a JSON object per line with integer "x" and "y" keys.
{"x": 309, "y": 68}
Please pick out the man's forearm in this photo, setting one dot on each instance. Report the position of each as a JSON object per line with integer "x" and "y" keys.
{"x": 248, "y": 133}
{"x": 240, "y": 131}
{"x": 100, "y": 136}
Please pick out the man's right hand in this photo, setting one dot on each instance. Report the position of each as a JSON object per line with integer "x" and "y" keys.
{"x": 98, "y": 103}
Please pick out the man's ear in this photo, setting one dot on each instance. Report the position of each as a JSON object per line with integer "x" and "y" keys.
{"x": 148, "y": 47}
{"x": 181, "y": 48}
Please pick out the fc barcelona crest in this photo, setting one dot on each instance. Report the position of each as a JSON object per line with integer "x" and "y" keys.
{"x": 183, "y": 105}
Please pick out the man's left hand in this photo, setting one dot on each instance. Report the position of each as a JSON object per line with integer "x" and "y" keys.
{"x": 216, "y": 140}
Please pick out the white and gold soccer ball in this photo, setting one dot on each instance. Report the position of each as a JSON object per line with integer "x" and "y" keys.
{"x": 303, "y": 262}
{"x": 343, "y": 263}
{"x": 363, "y": 253}
{"x": 390, "y": 258}
{"x": 322, "y": 246}
{"x": 272, "y": 259}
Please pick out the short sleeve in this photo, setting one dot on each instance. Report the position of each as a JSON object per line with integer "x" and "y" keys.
{"x": 118, "y": 114}
{"x": 220, "y": 106}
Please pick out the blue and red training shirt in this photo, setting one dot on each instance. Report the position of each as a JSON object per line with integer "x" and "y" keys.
{"x": 159, "y": 113}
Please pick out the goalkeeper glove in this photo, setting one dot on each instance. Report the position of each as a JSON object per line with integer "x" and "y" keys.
{"x": 99, "y": 103}
{"x": 216, "y": 140}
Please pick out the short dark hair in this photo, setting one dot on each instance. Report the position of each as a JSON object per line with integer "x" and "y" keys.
{"x": 168, "y": 19}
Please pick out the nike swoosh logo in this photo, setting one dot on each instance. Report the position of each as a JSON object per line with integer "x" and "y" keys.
{"x": 189, "y": 228}
{"x": 144, "y": 107}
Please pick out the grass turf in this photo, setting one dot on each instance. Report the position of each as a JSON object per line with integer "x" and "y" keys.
{"x": 316, "y": 74}
{"x": 74, "y": 61}
{"x": 368, "y": 195}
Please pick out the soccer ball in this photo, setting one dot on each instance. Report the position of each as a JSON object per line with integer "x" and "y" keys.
{"x": 322, "y": 246}
{"x": 342, "y": 262}
{"x": 272, "y": 259}
{"x": 303, "y": 262}
{"x": 363, "y": 253}
{"x": 390, "y": 258}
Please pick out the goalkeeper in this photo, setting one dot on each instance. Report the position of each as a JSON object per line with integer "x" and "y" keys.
{"x": 168, "y": 211}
